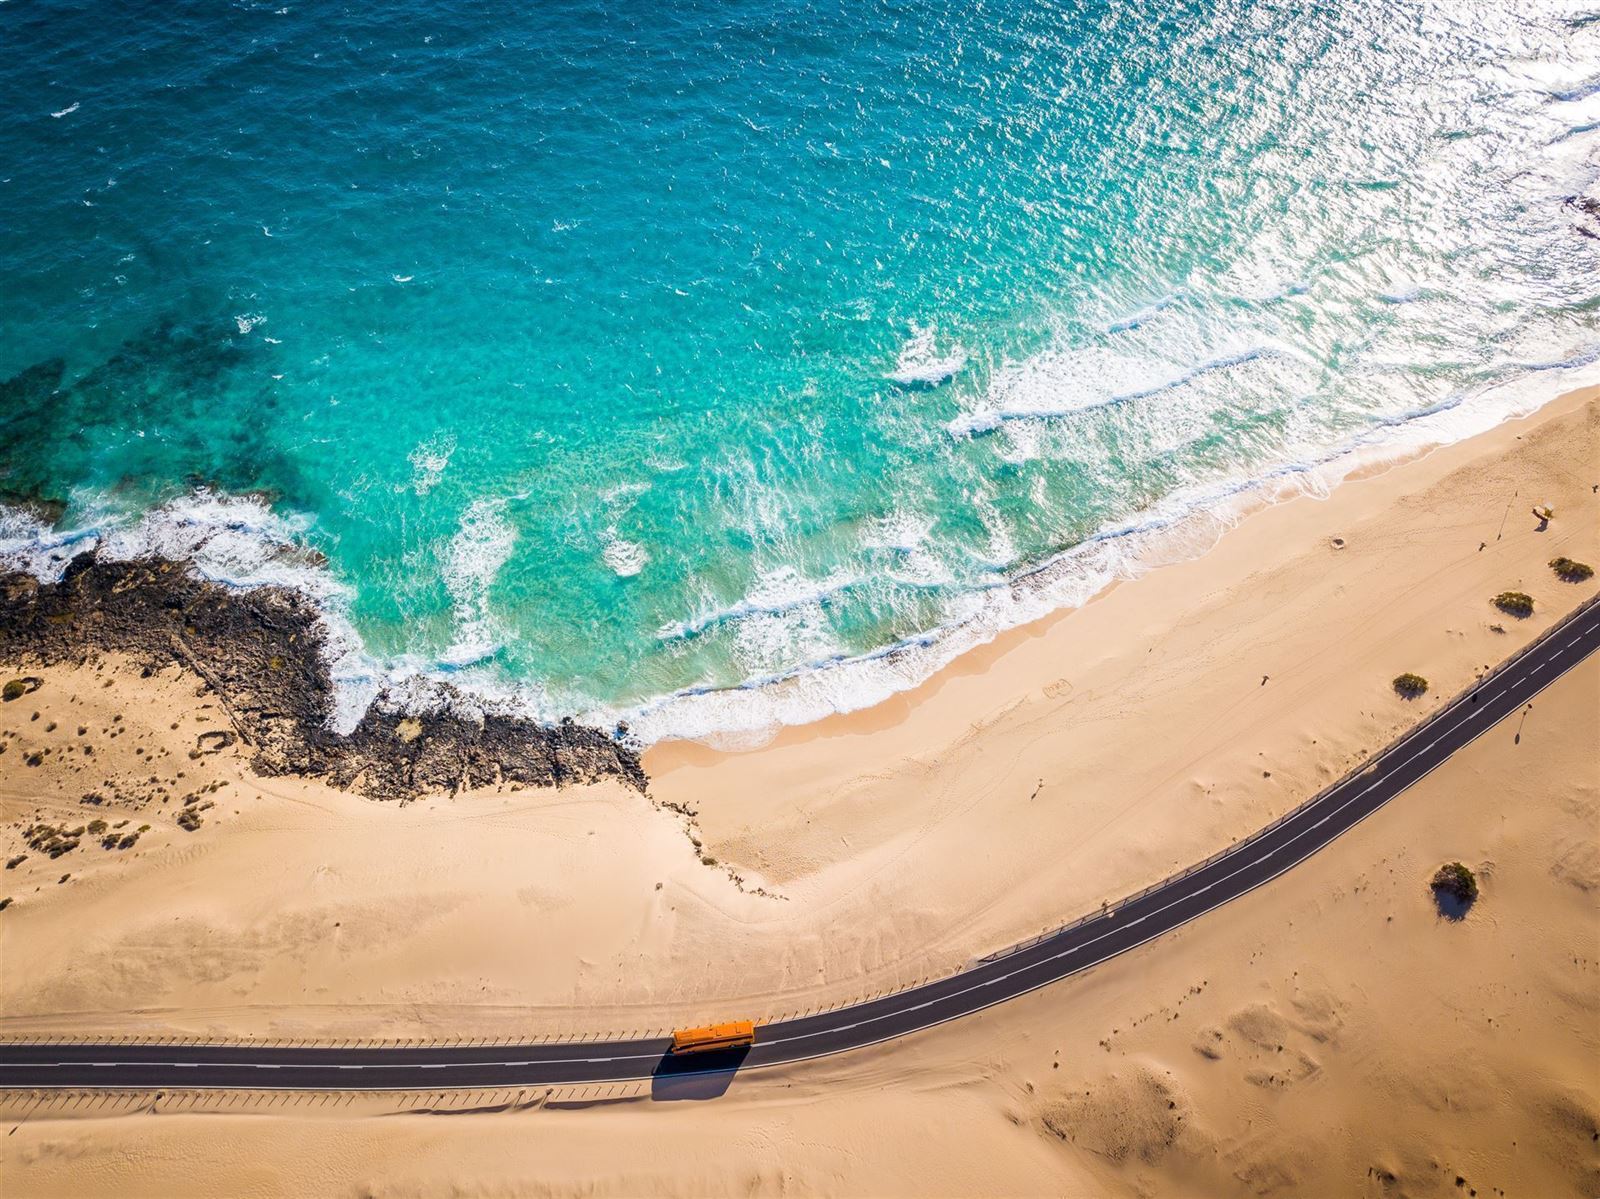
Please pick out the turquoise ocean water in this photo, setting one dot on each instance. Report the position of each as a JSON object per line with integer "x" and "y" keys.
{"x": 719, "y": 364}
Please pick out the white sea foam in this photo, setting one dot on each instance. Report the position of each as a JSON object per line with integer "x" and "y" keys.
{"x": 776, "y": 592}
{"x": 1057, "y": 383}
{"x": 913, "y": 562}
{"x": 623, "y": 496}
{"x": 1182, "y": 526}
{"x": 29, "y": 544}
{"x": 922, "y": 364}
{"x": 241, "y": 542}
{"x": 248, "y": 321}
{"x": 481, "y": 546}
{"x": 1569, "y": 94}
{"x": 1001, "y": 550}
{"x": 904, "y": 531}
{"x": 624, "y": 558}
{"x": 429, "y": 460}
{"x": 765, "y": 642}
{"x": 1401, "y": 295}
{"x": 68, "y": 110}
{"x": 1142, "y": 316}
{"x": 236, "y": 541}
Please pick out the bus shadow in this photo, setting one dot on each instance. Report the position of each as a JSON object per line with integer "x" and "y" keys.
{"x": 696, "y": 1075}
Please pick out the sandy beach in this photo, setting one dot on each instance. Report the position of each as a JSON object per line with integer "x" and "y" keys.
{"x": 1327, "y": 1035}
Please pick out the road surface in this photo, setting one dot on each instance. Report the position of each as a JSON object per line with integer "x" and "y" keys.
{"x": 1175, "y": 901}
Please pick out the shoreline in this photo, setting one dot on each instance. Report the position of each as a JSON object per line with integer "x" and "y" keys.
{"x": 1073, "y": 762}
{"x": 1204, "y": 1063}
{"x": 1139, "y": 711}
{"x": 751, "y": 714}
{"x": 260, "y": 651}
{"x": 1058, "y": 583}
{"x": 662, "y": 756}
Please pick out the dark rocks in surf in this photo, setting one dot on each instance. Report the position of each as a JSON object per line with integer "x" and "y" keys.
{"x": 1585, "y": 211}
{"x": 259, "y": 652}
{"x": 200, "y": 380}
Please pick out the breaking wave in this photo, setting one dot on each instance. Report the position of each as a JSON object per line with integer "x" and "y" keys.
{"x": 239, "y": 541}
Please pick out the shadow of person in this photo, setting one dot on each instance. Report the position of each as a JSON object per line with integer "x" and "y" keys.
{"x": 696, "y": 1075}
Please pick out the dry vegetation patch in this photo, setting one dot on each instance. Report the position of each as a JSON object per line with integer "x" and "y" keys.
{"x": 1514, "y": 603}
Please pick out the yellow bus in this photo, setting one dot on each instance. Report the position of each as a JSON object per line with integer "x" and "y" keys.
{"x": 736, "y": 1034}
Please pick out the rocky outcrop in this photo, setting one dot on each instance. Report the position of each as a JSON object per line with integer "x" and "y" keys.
{"x": 259, "y": 652}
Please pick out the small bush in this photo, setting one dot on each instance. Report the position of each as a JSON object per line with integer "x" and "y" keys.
{"x": 15, "y": 689}
{"x": 1514, "y": 603}
{"x": 189, "y": 820}
{"x": 97, "y": 827}
{"x": 13, "y": 863}
{"x": 1411, "y": 685}
{"x": 1456, "y": 881}
{"x": 1571, "y": 572}
{"x": 49, "y": 839}
{"x": 5, "y": 903}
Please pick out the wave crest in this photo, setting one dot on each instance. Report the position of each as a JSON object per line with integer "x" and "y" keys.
{"x": 922, "y": 364}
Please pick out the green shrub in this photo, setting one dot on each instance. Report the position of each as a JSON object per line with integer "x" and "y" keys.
{"x": 15, "y": 689}
{"x": 1457, "y": 881}
{"x": 1514, "y": 603}
{"x": 1571, "y": 572}
{"x": 1411, "y": 685}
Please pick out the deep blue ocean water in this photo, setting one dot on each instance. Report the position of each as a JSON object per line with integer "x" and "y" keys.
{"x": 616, "y": 356}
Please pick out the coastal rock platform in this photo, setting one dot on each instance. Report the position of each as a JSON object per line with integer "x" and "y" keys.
{"x": 260, "y": 652}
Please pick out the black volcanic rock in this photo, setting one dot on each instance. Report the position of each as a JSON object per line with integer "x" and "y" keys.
{"x": 260, "y": 652}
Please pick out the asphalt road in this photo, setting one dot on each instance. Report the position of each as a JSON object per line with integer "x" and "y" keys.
{"x": 1242, "y": 868}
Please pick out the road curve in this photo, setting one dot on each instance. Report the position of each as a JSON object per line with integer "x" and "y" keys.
{"x": 1140, "y": 918}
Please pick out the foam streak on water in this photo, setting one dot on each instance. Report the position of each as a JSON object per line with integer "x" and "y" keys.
{"x": 1182, "y": 526}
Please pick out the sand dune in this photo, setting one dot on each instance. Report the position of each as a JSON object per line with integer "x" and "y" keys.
{"x": 1326, "y": 1035}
